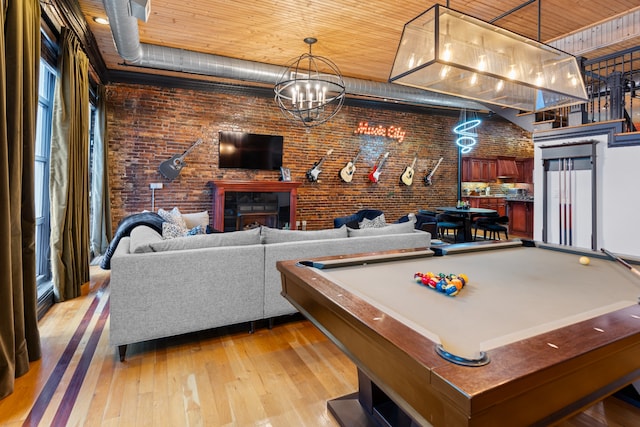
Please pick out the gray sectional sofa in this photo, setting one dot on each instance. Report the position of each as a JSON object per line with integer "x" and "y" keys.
{"x": 162, "y": 288}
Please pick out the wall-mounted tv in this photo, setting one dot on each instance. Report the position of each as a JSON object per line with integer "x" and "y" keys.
{"x": 250, "y": 151}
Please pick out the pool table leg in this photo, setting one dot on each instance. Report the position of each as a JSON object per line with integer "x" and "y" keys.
{"x": 368, "y": 407}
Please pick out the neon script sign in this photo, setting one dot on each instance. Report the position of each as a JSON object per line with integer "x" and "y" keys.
{"x": 390, "y": 132}
{"x": 466, "y": 137}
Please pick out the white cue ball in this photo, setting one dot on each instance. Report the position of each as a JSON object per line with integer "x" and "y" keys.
{"x": 584, "y": 260}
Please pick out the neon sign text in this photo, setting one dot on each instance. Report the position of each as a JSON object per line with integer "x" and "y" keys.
{"x": 390, "y": 132}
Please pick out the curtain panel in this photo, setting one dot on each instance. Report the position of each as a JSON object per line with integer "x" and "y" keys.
{"x": 100, "y": 204}
{"x": 69, "y": 173}
{"x": 19, "y": 68}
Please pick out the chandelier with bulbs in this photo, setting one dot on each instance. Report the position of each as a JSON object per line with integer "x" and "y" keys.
{"x": 446, "y": 51}
{"x": 311, "y": 90}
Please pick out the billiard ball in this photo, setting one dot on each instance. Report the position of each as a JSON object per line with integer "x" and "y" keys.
{"x": 451, "y": 290}
{"x": 457, "y": 283}
{"x": 584, "y": 260}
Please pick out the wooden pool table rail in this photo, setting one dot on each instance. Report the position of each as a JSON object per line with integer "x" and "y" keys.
{"x": 527, "y": 382}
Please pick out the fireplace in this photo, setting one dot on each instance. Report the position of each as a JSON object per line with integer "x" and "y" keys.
{"x": 237, "y": 205}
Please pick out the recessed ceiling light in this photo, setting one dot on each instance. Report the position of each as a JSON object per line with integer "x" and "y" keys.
{"x": 101, "y": 21}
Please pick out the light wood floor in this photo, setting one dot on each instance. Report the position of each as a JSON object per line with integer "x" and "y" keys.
{"x": 227, "y": 377}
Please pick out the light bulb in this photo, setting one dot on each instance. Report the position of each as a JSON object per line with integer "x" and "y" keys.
{"x": 482, "y": 63}
{"x": 446, "y": 55}
{"x": 539, "y": 79}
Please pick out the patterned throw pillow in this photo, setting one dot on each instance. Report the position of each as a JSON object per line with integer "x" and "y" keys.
{"x": 174, "y": 217}
{"x": 376, "y": 222}
{"x": 171, "y": 231}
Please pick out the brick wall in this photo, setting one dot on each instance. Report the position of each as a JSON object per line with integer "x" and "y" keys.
{"x": 147, "y": 125}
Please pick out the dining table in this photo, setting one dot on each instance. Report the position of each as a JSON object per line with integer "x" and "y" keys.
{"x": 467, "y": 215}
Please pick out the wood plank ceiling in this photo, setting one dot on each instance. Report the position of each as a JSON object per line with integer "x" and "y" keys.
{"x": 360, "y": 37}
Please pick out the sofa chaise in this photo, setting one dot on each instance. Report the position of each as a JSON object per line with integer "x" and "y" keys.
{"x": 166, "y": 287}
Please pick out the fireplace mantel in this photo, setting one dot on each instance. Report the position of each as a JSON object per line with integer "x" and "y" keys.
{"x": 220, "y": 187}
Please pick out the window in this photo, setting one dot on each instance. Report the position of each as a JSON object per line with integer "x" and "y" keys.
{"x": 46, "y": 88}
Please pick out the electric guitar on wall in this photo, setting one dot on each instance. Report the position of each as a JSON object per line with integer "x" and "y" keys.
{"x": 374, "y": 175}
{"x": 171, "y": 168}
{"x": 407, "y": 176}
{"x": 312, "y": 174}
{"x": 346, "y": 173}
{"x": 428, "y": 178}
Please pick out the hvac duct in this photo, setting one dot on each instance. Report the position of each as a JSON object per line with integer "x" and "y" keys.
{"x": 125, "y": 34}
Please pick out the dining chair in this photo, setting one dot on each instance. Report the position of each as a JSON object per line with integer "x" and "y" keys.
{"x": 446, "y": 222}
{"x": 493, "y": 225}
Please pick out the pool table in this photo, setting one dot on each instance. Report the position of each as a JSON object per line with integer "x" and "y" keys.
{"x": 550, "y": 336}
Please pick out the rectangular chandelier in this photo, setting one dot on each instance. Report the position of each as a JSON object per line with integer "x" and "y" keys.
{"x": 449, "y": 52}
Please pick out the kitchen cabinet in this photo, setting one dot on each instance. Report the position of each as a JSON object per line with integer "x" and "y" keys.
{"x": 466, "y": 169}
{"x": 496, "y": 203}
{"x": 474, "y": 202}
{"x": 525, "y": 170}
{"x": 478, "y": 170}
{"x": 520, "y": 218}
{"x": 528, "y": 171}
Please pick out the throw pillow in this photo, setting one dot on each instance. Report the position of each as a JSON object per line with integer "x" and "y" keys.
{"x": 376, "y": 222}
{"x": 171, "y": 231}
{"x": 173, "y": 216}
{"x": 194, "y": 219}
{"x": 275, "y": 235}
{"x": 198, "y": 229}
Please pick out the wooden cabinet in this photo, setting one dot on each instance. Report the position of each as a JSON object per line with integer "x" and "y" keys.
{"x": 520, "y": 218}
{"x": 466, "y": 169}
{"x": 478, "y": 170}
{"x": 525, "y": 171}
{"x": 528, "y": 171}
{"x": 475, "y": 169}
{"x": 474, "y": 202}
{"x": 496, "y": 203}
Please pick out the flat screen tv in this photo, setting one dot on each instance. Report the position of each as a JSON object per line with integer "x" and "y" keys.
{"x": 250, "y": 151}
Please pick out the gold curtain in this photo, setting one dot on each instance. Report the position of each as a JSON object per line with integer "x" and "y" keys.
{"x": 19, "y": 68}
{"x": 69, "y": 173}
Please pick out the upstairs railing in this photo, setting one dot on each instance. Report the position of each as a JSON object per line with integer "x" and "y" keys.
{"x": 613, "y": 87}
